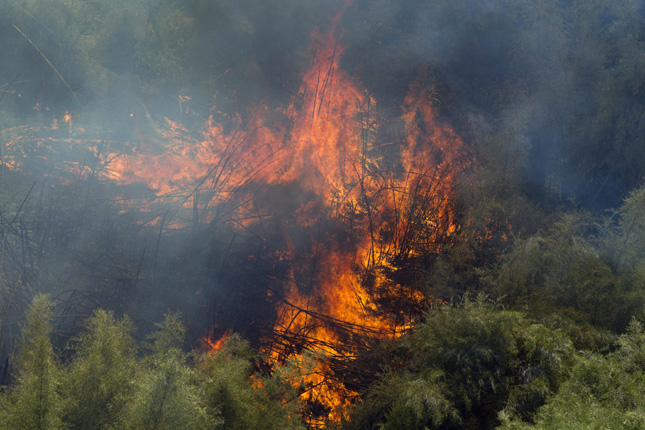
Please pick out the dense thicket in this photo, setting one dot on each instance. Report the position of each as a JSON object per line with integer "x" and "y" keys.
{"x": 544, "y": 280}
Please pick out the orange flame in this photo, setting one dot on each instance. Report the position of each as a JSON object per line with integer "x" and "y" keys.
{"x": 326, "y": 147}
{"x": 390, "y": 211}
{"x": 211, "y": 345}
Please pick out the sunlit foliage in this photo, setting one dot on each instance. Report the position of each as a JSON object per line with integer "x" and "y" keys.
{"x": 462, "y": 366}
{"x": 112, "y": 383}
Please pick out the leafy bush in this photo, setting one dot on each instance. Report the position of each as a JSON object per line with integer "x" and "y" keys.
{"x": 246, "y": 401}
{"x": 462, "y": 366}
{"x": 566, "y": 270}
{"x": 604, "y": 392}
{"x": 109, "y": 384}
{"x": 166, "y": 395}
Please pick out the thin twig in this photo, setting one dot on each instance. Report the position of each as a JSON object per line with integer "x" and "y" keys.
{"x": 48, "y": 62}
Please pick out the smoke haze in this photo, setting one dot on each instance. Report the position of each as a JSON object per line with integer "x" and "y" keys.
{"x": 545, "y": 99}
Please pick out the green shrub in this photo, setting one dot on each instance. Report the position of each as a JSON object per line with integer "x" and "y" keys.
{"x": 462, "y": 366}
{"x": 34, "y": 403}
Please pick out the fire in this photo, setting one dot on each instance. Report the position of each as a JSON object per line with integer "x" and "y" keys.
{"x": 211, "y": 345}
{"x": 368, "y": 215}
{"x": 388, "y": 213}
{"x": 397, "y": 212}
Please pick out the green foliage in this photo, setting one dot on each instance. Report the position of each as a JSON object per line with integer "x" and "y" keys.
{"x": 106, "y": 60}
{"x": 98, "y": 383}
{"x": 562, "y": 86}
{"x": 165, "y": 397}
{"x": 410, "y": 401}
{"x": 463, "y": 365}
{"x": 562, "y": 269}
{"x": 604, "y": 392}
{"x": 106, "y": 385}
{"x": 246, "y": 402}
{"x": 625, "y": 238}
{"x": 34, "y": 403}
{"x": 169, "y": 337}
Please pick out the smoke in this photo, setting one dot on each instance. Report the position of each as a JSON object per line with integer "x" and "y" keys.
{"x": 548, "y": 95}
{"x": 485, "y": 58}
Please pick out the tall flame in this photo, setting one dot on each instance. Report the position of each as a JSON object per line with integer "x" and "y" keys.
{"x": 383, "y": 212}
{"x": 398, "y": 211}
{"x": 391, "y": 211}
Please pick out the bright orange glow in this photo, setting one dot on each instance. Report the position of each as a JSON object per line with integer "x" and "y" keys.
{"x": 387, "y": 208}
{"x": 211, "y": 345}
{"x": 326, "y": 146}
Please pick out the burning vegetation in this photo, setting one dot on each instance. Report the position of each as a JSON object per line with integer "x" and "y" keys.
{"x": 370, "y": 215}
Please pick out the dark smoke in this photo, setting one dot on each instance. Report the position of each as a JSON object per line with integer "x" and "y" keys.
{"x": 549, "y": 95}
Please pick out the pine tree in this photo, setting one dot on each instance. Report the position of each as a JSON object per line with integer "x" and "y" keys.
{"x": 99, "y": 379}
{"x": 34, "y": 402}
